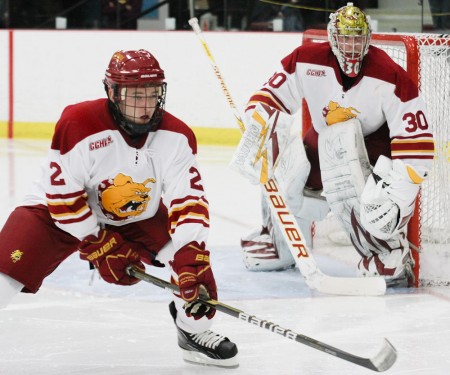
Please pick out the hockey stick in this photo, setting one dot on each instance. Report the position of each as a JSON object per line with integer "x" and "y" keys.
{"x": 287, "y": 223}
{"x": 382, "y": 361}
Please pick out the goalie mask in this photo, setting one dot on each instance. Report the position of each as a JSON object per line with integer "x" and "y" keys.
{"x": 349, "y": 36}
{"x": 134, "y": 83}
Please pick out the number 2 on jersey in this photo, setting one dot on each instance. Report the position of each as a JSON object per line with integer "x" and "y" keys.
{"x": 55, "y": 178}
{"x": 195, "y": 180}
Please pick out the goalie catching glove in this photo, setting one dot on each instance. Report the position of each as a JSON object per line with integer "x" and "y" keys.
{"x": 265, "y": 138}
{"x": 388, "y": 198}
{"x": 111, "y": 255}
{"x": 191, "y": 264}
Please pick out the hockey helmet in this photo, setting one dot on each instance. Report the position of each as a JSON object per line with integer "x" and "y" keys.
{"x": 349, "y": 33}
{"x": 130, "y": 70}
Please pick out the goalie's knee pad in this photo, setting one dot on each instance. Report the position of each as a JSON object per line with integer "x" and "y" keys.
{"x": 344, "y": 167}
{"x": 8, "y": 289}
{"x": 344, "y": 163}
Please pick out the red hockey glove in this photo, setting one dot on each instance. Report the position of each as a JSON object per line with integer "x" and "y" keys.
{"x": 111, "y": 255}
{"x": 191, "y": 263}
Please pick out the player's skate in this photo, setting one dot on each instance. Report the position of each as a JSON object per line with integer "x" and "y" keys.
{"x": 207, "y": 348}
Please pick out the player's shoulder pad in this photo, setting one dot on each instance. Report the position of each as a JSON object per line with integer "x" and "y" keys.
{"x": 173, "y": 124}
{"x": 79, "y": 121}
{"x": 314, "y": 53}
{"x": 378, "y": 64}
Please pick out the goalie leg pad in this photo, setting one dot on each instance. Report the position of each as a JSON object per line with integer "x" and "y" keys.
{"x": 262, "y": 249}
{"x": 291, "y": 173}
{"x": 395, "y": 265}
{"x": 260, "y": 254}
{"x": 265, "y": 249}
{"x": 344, "y": 167}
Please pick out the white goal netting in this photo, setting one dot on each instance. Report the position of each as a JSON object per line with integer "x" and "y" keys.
{"x": 434, "y": 206}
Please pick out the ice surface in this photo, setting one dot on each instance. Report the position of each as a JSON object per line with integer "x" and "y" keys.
{"x": 77, "y": 324}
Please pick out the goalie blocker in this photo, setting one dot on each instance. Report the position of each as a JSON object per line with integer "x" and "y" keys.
{"x": 373, "y": 213}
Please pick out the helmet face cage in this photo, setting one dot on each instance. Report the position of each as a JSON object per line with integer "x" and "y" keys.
{"x": 349, "y": 35}
{"x": 136, "y": 90}
{"x": 138, "y": 109}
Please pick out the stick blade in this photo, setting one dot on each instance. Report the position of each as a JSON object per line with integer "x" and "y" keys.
{"x": 385, "y": 358}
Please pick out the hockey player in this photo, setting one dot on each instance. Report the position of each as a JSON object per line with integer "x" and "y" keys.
{"x": 122, "y": 187}
{"x": 366, "y": 112}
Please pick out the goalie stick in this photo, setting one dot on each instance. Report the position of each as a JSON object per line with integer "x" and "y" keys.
{"x": 380, "y": 362}
{"x": 292, "y": 234}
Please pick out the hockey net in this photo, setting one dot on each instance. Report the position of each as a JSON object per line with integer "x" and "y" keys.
{"x": 426, "y": 57}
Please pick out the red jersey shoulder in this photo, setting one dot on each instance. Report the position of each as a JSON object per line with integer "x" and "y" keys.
{"x": 378, "y": 64}
{"x": 311, "y": 53}
{"x": 79, "y": 121}
{"x": 173, "y": 124}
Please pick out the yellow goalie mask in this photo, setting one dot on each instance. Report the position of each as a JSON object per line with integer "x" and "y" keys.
{"x": 349, "y": 36}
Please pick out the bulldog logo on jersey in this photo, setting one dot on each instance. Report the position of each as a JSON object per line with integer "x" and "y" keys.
{"x": 123, "y": 198}
{"x": 16, "y": 255}
{"x": 334, "y": 113}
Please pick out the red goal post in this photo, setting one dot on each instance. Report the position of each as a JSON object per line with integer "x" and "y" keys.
{"x": 426, "y": 58}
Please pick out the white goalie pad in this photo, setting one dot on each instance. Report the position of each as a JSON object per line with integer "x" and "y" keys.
{"x": 259, "y": 252}
{"x": 265, "y": 249}
{"x": 396, "y": 265}
{"x": 387, "y": 202}
{"x": 344, "y": 167}
{"x": 265, "y": 138}
{"x": 291, "y": 172}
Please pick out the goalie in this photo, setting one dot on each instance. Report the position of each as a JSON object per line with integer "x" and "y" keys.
{"x": 368, "y": 151}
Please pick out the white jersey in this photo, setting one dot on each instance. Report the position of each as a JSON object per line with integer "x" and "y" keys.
{"x": 95, "y": 175}
{"x": 382, "y": 93}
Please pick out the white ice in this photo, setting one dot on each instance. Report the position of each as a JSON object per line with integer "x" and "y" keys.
{"x": 77, "y": 324}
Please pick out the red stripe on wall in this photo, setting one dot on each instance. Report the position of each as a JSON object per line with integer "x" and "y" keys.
{"x": 11, "y": 85}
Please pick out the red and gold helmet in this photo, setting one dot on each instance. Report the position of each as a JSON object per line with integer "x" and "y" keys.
{"x": 349, "y": 35}
{"x": 136, "y": 68}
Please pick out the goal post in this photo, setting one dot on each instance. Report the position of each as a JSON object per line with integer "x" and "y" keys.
{"x": 426, "y": 58}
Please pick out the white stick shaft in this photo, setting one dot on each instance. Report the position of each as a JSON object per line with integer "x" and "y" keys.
{"x": 196, "y": 27}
